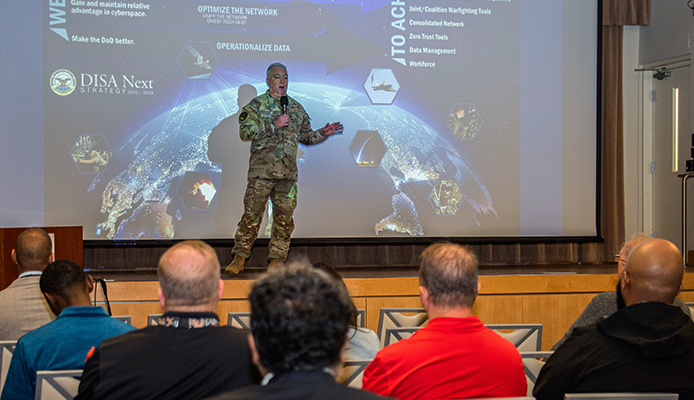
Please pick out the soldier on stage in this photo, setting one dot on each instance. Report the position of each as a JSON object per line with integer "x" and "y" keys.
{"x": 276, "y": 124}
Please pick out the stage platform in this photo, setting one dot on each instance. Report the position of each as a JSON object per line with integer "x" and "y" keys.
{"x": 552, "y": 295}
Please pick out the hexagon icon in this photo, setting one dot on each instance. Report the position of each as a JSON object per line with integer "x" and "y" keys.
{"x": 90, "y": 154}
{"x": 381, "y": 86}
{"x": 446, "y": 197}
{"x": 197, "y": 60}
{"x": 367, "y": 148}
{"x": 464, "y": 121}
{"x": 196, "y": 190}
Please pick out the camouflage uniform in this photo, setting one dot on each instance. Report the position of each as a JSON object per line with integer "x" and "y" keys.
{"x": 272, "y": 171}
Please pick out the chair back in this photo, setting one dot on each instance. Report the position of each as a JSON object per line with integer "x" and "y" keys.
{"x": 394, "y": 335}
{"x": 6, "y": 352}
{"x": 125, "y": 318}
{"x": 399, "y": 318}
{"x": 621, "y": 396}
{"x": 361, "y": 317}
{"x": 352, "y": 373}
{"x": 691, "y": 308}
{"x": 526, "y": 337}
{"x": 532, "y": 365}
{"x": 240, "y": 320}
{"x": 57, "y": 385}
{"x": 153, "y": 319}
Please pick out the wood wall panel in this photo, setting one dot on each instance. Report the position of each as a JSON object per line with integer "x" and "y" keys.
{"x": 556, "y": 313}
{"x": 499, "y": 309}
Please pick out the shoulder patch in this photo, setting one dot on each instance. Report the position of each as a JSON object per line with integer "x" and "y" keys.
{"x": 243, "y": 116}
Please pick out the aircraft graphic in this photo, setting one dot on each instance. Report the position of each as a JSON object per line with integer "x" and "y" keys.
{"x": 383, "y": 87}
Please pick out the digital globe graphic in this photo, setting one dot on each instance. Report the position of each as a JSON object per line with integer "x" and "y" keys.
{"x": 418, "y": 161}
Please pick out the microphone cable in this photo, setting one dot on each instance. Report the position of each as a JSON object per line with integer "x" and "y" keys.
{"x": 100, "y": 280}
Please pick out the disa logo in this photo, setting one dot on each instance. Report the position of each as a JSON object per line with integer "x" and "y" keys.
{"x": 63, "y": 82}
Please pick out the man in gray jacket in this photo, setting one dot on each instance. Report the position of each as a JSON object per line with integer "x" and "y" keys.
{"x": 22, "y": 305}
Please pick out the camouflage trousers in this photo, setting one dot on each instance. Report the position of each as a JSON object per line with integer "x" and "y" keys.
{"x": 282, "y": 193}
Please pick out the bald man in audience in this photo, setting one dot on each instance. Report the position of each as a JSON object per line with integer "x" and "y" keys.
{"x": 22, "y": 305}
{"x": 454, "y": 356}
{"x": 646, "y": 346}
{"x": 62, "y": 344}
{"x": 605, "y": 304}
{"x": 188, "y": 355}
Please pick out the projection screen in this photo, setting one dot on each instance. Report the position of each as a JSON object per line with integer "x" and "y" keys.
{"x": 464, "y": 118}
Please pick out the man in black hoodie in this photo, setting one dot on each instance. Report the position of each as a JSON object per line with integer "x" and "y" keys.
{"x": 646, "y": 346}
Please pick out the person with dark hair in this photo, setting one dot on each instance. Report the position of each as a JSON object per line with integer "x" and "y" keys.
{"x": 23, "y": 307}
{"x": 607, "y": 303}
{"x": 454, "y": 356}
{"x": 188, "y": 355}
{"x": 66, "y": 342}
{"x": 299, "y": 322}
{"x": 363, "y": 343}
{"x": 647, "y": 346}
{"x": 276, "y": 124}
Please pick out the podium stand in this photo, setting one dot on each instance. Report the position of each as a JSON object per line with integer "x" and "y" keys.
{"x": 67, "y": 243}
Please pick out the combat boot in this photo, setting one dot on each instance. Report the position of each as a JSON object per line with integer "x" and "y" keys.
{"x": 275, "y": 263}
{"x": 236, "y": 266}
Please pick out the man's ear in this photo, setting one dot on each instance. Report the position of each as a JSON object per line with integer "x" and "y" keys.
{"x": 424, "y": 296}
{"x": 221, "y": 289}
{"x": 625, "y": 282}
{"x": 14, "y": 256}
{"x": 90, "y": 284}
{"x": 55, "y": 303}
{"x": 162, "y": 300}
{"x": 51, "y": 258}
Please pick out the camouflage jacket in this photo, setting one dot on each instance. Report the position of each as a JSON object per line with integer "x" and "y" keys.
{"x": 273, "y": 151}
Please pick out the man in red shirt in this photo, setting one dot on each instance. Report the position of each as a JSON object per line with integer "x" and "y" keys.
{"x": 454, "y": 356}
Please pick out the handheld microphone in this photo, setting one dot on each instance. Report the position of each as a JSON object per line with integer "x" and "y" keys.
{"x": 284, "y": 101}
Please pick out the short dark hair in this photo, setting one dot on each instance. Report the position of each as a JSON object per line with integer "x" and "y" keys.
{"x": 189, "y": 283}
{"x": 449, "y": 273}
{"x": 62, "y": 277}
{"x": 299, "y": 318}
{"x": 33, "y": 249}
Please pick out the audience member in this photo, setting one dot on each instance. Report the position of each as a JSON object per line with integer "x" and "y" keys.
{"x": 299, "y": 323}
{"x": 22, "y": 305}
{"x": 363, "y": 343}
{"x": 605, "y": 304}
{"x": 454, "y": 356}
{"x": 646, "y": 346}
{"x": 188, "y": 355}
{"x": 64, "y": 343}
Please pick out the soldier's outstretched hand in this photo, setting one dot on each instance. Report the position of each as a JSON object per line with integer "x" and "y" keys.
{"x": 331, "y": 129}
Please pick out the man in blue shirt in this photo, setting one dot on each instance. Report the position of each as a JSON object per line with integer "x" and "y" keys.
{"x": 64, "y": 343}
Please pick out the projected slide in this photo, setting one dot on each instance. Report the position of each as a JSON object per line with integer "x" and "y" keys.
{"x": 142, "y": 99}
